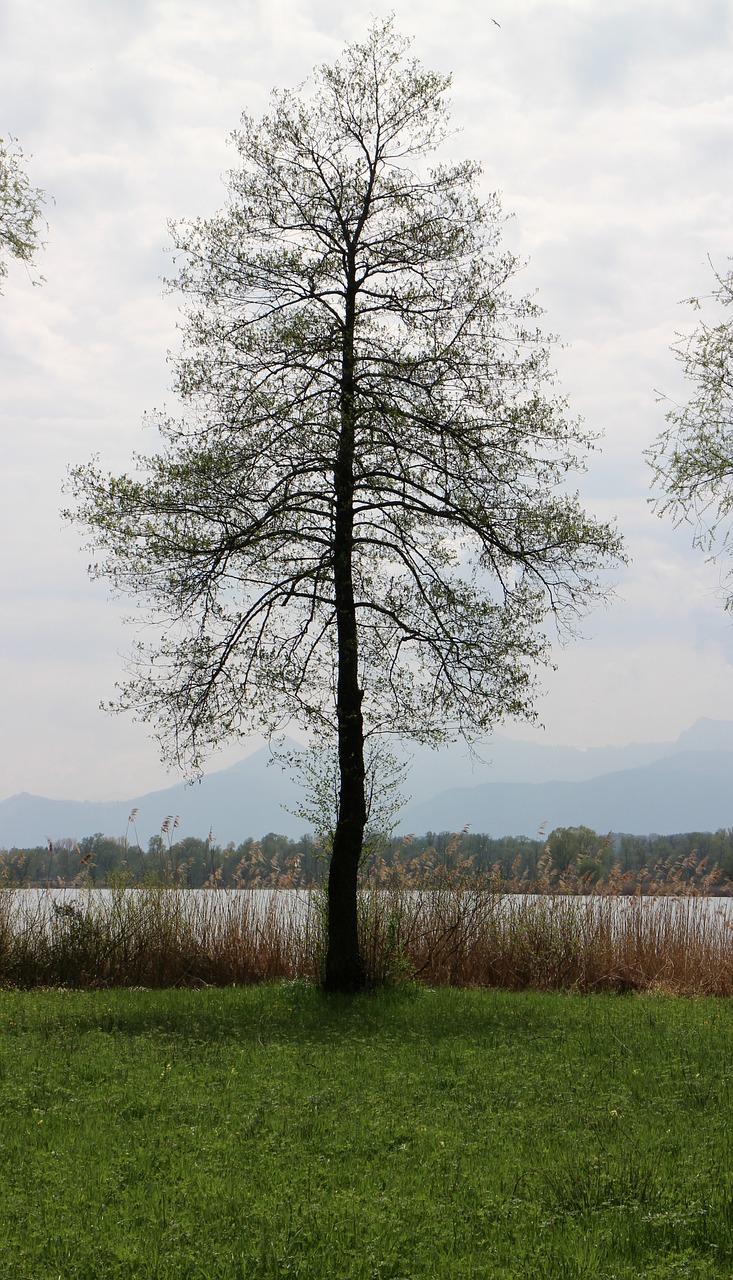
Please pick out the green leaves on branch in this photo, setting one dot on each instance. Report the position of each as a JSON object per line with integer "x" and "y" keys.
{"x": 692, "y": 460}
{"x": 21, "y": 207}
{"x": 360, "y": 384}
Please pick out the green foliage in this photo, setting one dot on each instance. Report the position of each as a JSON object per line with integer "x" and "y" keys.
{"x": 360, "y": 384}
{"x": 575, "y": 845}
{"x": 692, "y": 460}
{"x": 20, "y": 208}
{"x": 272, "y": 1132}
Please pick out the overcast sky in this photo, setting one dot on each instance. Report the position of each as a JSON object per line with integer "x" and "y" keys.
{"x": 607, "y": 127}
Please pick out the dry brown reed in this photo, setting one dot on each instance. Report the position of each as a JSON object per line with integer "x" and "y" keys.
{"x": 436, "y": 921}
{"x": 444, "y": 923}
{"x": 156, "y": 936}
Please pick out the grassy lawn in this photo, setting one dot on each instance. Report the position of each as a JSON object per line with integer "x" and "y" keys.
{"x": 271, "y": 1132}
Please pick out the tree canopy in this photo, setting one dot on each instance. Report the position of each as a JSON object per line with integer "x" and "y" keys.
{"x": 363, "y": 519}
{"x": 692, "y": 459}
{"x": 20, "y": 208}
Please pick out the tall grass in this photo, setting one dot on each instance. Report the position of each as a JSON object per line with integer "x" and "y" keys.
{"x": 446, "y": 925}
{"x": 439, "y": 923}
{"x": 471, "y": 938}
{"x": 155, "y": 936}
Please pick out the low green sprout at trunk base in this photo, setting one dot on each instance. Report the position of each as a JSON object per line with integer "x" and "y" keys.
{"x": 273, "y": 1132}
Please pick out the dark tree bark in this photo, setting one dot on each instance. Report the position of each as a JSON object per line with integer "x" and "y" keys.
{"x": 344, "y": 966}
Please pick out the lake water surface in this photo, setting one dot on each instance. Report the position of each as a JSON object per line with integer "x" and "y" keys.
{"x": 294, "y": 908}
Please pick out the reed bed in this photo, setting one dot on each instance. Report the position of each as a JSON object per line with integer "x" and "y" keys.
{"x": 442, "y": 924}
{"x": 155, "y": 936}
{"x": 469, "y": 938}
{"x": 669, "y": 929}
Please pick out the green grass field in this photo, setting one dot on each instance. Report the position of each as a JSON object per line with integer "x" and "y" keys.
{"x": 272, "y": 1132}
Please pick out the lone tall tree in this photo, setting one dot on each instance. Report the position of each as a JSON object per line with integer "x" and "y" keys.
{"x": 363, "y": 521}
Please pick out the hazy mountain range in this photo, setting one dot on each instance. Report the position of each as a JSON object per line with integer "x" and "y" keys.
{"x": 516, "y": 788}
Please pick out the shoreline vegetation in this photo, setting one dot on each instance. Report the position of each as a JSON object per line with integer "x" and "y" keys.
{"x": 569, "y": 860}
{"x": 436, "y": 920}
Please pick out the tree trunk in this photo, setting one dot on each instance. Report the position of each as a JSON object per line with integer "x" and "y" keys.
{"x": 344, "y": 966}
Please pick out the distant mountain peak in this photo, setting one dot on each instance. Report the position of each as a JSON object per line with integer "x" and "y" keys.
{"x": 707, "y": 734}
{"x": 683, "y": 786}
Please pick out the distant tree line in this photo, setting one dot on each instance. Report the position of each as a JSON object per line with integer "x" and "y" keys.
{"x": 572, "y": 858}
